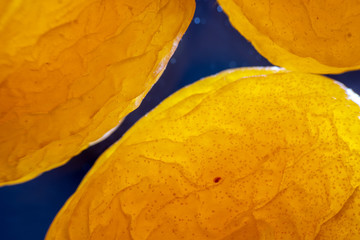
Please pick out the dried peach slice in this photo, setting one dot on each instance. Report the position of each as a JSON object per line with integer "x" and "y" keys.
{"x": 71, "y": 70}
{"x": 309, "y": 36}
{"x": 254, "y": 153}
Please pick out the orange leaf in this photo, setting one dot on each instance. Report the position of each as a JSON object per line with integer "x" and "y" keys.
{"x": 320, "y": 36}
{"x": 72, "y": 70}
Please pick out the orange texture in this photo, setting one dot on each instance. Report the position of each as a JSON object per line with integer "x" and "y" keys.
{"x": 254, "y": 153}
{"x": 320, "y": 36}
{"x": 71, "y": 70}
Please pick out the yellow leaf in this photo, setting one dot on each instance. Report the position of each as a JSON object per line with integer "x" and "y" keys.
{"x": 70, "y": 71}
{"x": 254, "y": 153}
{"x": 320, "y": 36}
{"x": 345, "y": 225}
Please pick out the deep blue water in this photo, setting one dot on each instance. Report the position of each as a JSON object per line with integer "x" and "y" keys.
{"x": 209, "y": 46}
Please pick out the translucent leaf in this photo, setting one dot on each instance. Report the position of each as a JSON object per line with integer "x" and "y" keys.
{"x": 320, "y": 36}
{"x": 72, "y": 70}
{"x": 254, "y": 153}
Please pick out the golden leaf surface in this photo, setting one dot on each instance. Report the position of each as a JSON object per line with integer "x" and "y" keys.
{"x": 320, "y": 36}
{"x": 70, "y": 71}
{"x": 253, "y": 153}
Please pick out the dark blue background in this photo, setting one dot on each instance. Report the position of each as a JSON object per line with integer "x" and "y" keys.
{"x": 209, "y": 46}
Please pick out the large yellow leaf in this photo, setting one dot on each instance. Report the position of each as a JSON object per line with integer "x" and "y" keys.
{"x": 71, "y": 70}
{"x": 321, "y": 36}
{"x": 246, "y": 154}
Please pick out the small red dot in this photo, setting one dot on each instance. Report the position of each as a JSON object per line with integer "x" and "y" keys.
{"x": 217, "y": 179}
